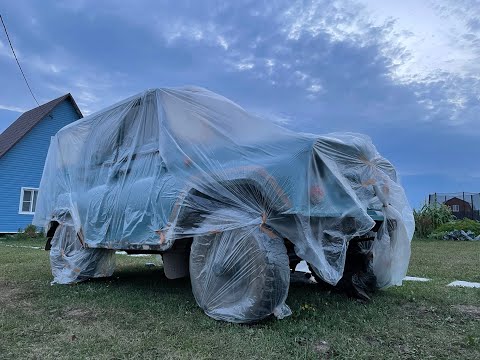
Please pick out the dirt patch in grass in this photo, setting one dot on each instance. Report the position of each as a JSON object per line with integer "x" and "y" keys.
{"x": 469, "y": 310}
{"x": 79, "y": 314}
{"x": 14, "y": 297}
{"x": 10, "y": 295}
{"x": 420, "y": 311}
{"x": 323, "y": 349}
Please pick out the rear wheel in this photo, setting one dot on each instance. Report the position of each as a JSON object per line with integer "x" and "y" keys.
{"x": 240, "y": 275}
{"x": 71, "y": 262}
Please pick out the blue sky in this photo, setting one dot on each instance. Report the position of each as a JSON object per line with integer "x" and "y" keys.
{"x": 405, "y": 73}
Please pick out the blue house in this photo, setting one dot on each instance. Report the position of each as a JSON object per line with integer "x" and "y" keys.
{"x": 23, "y": 149}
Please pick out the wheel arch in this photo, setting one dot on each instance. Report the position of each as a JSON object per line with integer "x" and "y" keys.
{"x": 258, "y": 185}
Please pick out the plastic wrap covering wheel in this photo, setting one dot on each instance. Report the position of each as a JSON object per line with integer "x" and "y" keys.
{"x": 240, "y": 275}
{"x": 71, "y": 262}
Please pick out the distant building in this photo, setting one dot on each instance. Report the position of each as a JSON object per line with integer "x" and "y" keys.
{"x": 23, "y": 149}
{"x": 463, "y": 205}
{"x": 458, "y": 206}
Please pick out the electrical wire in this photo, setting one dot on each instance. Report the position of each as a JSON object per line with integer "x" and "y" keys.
{"x": 18, "y": 63}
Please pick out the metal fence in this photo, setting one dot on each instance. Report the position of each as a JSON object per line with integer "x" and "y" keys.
{"x": 462, "y": 204}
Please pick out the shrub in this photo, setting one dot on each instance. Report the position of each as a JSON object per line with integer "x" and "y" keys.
{"x": 31, "y": 231}
{"x": 464, "y": 224}
{"x": 430, "y": 217}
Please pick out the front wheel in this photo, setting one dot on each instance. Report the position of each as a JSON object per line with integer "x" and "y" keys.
{"x": 240, "y": 275}
{"x": 358, "y": 280}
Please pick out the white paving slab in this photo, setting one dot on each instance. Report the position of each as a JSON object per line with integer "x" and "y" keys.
{"x": 23, "y": 246}
{"x": 414, "y": 278}
{"x": 133, "y": 255}
{"x": 302, "y": 267}
{"x": 468, "y": 284}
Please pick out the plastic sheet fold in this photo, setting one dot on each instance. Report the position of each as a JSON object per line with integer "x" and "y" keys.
{"x": 170, "y": 164}
{"x": 71, "y": 262}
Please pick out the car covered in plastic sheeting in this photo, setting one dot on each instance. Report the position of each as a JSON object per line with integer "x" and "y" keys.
{"x": 228, "y": 198}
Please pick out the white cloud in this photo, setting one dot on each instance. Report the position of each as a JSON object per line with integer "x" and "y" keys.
{"x": 222, "y": 42}
{"x": 40, "y": 64}
{"x": 12, "y": 108}
{"x": 433, "y": 45}
{"x": 432, "y": 36}
{"x": 300, "y": 75}
{"x": 5, "y": 50}
{"x": 90, "y": 90}
{"x": 315, "y": 88}
{"x": 424, "y": 43}
{"x": 339, "y": 20}
{"x": 422, "y": 39}
{"x": 45, "y": 65}
{"x": 279, "y": 118}
{"x": 244, "y": 65}
{"x": 181, "y": 29}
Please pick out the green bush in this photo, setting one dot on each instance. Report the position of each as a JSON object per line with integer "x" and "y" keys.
{"x": 430, "y": 217}
{"x": 437, "y": 235}
{"x": 30, "y": 232}
{"x": 464, "y": 224}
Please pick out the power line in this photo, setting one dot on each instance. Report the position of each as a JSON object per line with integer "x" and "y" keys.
{"x": 15, "y": 55}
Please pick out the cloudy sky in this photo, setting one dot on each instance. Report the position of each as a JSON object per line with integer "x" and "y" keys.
{"x": 407, "y": 73}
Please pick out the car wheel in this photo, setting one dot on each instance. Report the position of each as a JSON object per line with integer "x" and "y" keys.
{"x": 358, "y": 280}
{"x": 240, "y": 275}
{"x": 71, "y": 262}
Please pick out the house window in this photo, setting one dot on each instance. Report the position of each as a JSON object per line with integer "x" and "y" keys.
{"x": 28, "y": 200}
{"x": 455, "y": 208}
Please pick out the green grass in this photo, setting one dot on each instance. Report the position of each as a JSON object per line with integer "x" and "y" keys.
{"x": 138, "y": 313}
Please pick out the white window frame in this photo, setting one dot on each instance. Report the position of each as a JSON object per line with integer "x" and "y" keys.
{"x": 455, "y": 208}
{"x": 20, "y": 206}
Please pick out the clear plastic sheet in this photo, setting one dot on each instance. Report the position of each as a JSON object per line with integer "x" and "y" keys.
{"x": 72, "y": 262}
{"x": 240, "y": 275}
{"x": 170, "y": 164}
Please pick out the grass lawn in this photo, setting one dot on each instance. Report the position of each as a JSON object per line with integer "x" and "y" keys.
{"x": 138, "y": 313}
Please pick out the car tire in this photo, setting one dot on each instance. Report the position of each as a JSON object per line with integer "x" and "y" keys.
{"x": 240, "y": 275}
{"x": 358, "y": 280}
{"x": 72, "y": 262}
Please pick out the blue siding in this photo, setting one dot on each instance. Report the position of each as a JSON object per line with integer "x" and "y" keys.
{"x": 22, "y": 165}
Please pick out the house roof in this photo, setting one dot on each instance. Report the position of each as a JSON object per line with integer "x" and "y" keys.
{"x": 456, "y": 199}
{"x": 20, "y": 127}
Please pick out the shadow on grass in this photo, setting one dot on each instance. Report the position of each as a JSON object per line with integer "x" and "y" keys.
{"x": 149, "y": 288}
{"x": 144, "y": 279}
{"x": 148, "y": 285}
{"x": 150, "y": 281}
{"x": 141, "y": 280}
